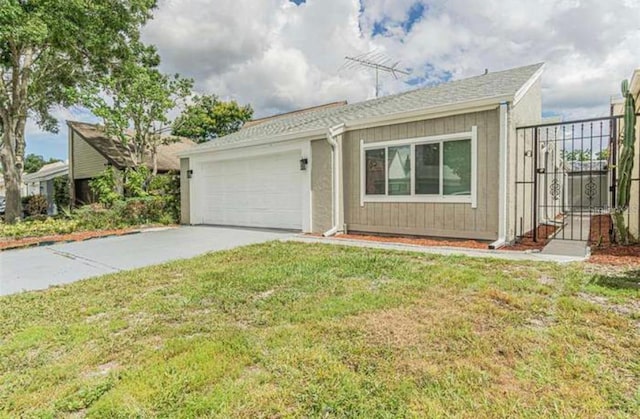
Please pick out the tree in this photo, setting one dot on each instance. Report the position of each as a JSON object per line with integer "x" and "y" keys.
{"x": 577, "y": 155}
{"x": 48, "y": 49}
{"x": 603, "y": 154}
{"x": 34, "y": 162}
{"x": 209, "y": 117}
{"x": 138, "y": 96}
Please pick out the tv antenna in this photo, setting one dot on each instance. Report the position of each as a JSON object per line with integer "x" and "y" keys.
{"x": 378, "y": 61}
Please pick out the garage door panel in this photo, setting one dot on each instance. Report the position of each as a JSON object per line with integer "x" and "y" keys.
{"x": 256, "y": 192}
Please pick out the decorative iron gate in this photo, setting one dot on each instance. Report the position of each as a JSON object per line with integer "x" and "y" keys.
{"x": 565, "y": 178}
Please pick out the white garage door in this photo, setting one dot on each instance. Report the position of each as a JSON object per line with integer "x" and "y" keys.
{"x": 264, "y": 191}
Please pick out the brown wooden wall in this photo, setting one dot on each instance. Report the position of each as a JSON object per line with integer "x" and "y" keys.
{"x": 428, "y": 219}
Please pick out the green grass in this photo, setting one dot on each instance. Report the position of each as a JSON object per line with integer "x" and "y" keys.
{"x": 324, "y": 331}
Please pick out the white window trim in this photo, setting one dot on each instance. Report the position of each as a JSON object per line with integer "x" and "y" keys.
{"x": 462, "y": 199}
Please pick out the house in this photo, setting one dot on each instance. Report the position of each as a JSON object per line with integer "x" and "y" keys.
{"x": 42, "y": 183}
{"x": 436, "y": 161}
{"x": 617, "y": 108}
{"x": 91, "y": 151}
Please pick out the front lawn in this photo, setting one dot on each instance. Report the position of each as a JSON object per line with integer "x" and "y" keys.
{"x": 290, "y": 329}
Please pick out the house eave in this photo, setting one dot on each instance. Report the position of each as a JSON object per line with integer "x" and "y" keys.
{"x": 634, "y": 86}
{"x": 431, "y": 112}
{"x": 51, "y": 175}
{"x": 303, "y": 135}
{"x": 394, "y": 118}
{"x": 525, "y": 87}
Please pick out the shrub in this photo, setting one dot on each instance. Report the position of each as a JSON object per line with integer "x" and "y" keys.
{"x": 35, "y": 205}
{"x": 97, "y": 217}
{"x": 106, "y": 186}
{"x": 46, "y": 227}
{"x": 136, "y": 182}
{"x": 61, "y": 192}
{"x": 142, "y": 210}
{"x": 167, "y": 186}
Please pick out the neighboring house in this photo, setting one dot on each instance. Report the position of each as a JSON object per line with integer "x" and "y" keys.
{"x": 436, "y": 161}
{"x": 42, "y": 183}
{"x": 617, "y": 108}
{"x": 91, "y": 151}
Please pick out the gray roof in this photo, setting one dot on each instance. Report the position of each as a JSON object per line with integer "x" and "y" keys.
{"x": 491, "y": 85}
{"x": 47, "y": 172}
{"x": 118, "y": 153}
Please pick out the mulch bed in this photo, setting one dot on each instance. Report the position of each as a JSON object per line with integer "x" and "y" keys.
{"x": 7, "y": 243}
{"x": 527, "y": 243}
{"x": 418, "y": 241}
{"x": 603, "y": 251}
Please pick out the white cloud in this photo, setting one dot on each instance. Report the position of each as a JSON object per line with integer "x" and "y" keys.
{"x": 279, "y": 56}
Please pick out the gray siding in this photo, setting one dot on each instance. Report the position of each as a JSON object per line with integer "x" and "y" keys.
{"x": 528, "y": 111}
{"x": 429, "y": 219}
{"x": 185, "y": 197}
{"x": 321, "y": 186}
{"x": 86, "y": 161}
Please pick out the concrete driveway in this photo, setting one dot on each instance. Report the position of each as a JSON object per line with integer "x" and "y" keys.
{"x": 40, "y": 267}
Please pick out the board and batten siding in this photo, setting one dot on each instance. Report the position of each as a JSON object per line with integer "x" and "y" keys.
{"x": 321, "y": 188}
{"x": 454, "y": 220}
{"x": 185, "y": 188}
{"x": 87, "y": 162}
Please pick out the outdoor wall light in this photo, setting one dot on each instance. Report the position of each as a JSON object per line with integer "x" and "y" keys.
{"x": 189, "y": 174}
{"x": 303, "y": 163}
{"x": 528, "y": 153}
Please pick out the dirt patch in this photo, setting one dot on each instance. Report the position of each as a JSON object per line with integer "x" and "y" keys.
{"x": 544, "y": 233}
{"x": 264, "y": 295}
{"x": 10, "y": 243}
{"x": 630, "y": 309}
{"x": 417, "y": 240}
{"x": 104, "y": 369}
{"x": 7, "y": 243}
{"x": 605, "y": 252}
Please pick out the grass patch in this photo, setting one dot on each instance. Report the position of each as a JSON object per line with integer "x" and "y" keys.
{"x": 290, "y": 329}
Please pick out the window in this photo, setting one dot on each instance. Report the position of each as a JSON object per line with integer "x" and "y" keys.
{"x": 428, "y": 169}
{"x": 457, "y": 167}
{"x": 431, "y": 169}
{"x": 376, "y": 175}
{"x": 399, "y": 162}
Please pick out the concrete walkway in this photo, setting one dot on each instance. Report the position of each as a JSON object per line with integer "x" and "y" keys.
{"x": 573, "y": 239}
{"x": 445, "y": 251}
{"x": 41, "y": 267}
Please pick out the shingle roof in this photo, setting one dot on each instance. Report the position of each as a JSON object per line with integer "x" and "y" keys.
{"x": 290, "y": 114}
{"x": 118, "y": 154}
{"x": 48, "y": 171}
{"x": 491, "y": 85}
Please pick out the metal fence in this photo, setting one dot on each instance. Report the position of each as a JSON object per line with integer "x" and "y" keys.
{"x": 566, "y": 180}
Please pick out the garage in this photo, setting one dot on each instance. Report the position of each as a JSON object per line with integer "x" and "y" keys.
{"x": 265, "y": 190}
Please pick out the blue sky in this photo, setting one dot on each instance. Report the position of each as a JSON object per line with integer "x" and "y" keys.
{"x": 280, "y": 55}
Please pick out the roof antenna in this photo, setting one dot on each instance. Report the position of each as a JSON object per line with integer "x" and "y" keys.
{"x": 486, "y": 71}
{"x": 378, "y": 61}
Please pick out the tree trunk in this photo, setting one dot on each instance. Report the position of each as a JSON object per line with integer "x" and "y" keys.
{"x": 154, "y": 158}
{"x": 12, "y": 167}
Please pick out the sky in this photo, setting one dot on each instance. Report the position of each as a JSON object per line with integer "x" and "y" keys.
{"x": 281, "y": 55}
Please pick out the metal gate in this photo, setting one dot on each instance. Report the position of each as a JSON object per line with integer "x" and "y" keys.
{"x": 565, "y": 178}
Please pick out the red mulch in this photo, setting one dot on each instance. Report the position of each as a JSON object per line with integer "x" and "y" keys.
{"x": 418, "y": 241}
{"x": 527, "y": 243}
{"x": 10, "y": 243}
{"x": 604, "y": 252}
